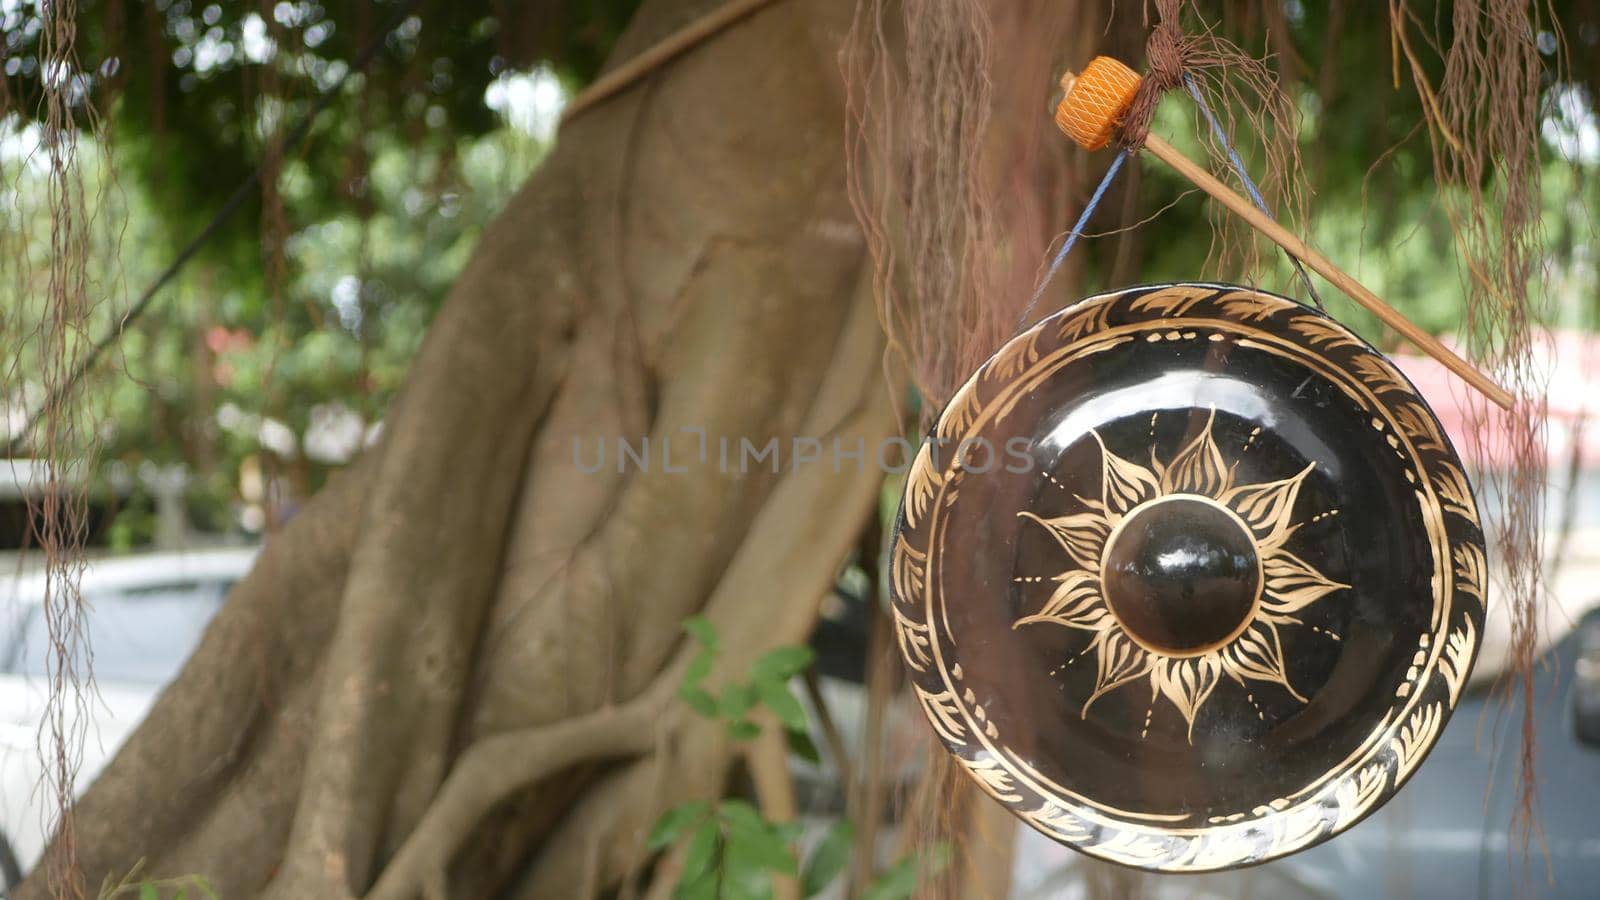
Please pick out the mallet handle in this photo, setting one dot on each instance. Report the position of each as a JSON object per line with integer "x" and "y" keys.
{"x": 1281, "y": 236}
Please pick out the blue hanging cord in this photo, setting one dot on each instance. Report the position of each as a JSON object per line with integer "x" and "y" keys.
{"x": 1244, "y": 177}
{"x": 1072, "y": 236}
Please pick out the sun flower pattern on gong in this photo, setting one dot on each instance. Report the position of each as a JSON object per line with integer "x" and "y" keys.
{"x": 1282, "y": 583}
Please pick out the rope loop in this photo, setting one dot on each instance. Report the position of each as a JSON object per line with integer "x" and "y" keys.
{"x": 1168, "y": 56}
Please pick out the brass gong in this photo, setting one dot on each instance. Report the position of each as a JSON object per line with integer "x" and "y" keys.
{"x": 1188, "y": 577}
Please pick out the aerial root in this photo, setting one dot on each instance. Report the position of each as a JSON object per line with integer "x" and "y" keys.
{"x": 497, "y": 767}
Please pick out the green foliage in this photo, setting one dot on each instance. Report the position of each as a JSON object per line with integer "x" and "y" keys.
{"x": 730, "y": 851}
{"x": 134, "y": 884}
{"x": 381, "y": 206}
{"x": 196, "y": 90}
{"x": 899, "y": 881}
{"x": 767, "y": 685}
{"x": 218, "y": 358}
{"x": 134, "y": 525}
{"x": 673, "y": 823}
{"x": 828, "y": 860}
{"x": 703, "y": 632}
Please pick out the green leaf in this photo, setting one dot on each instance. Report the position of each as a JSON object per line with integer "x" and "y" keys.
{"x": 829, "y": 859}
{"x": 675, "y": 821}
{"x": 899, "y": 883}
{"x": 756, "y": 839}
{"x": 702, "y": 888}
{"x": 737, "y": 699}
{"x": 703, "y": 632}
{"x": 147, "y": 891}
{"x": 698, "y": 700}
{"x": 743, "y": 730}
{"x": 743, "y": 876}
{"x": 776, "y": 696}
{"x": 699, "y": 667}
{"x": 782, "y": 664}
{"x": 701, "y": 851}
{"x": 766, "y": 850}
{"x": 737, "y": 813}
{"x": 801, "y": 745}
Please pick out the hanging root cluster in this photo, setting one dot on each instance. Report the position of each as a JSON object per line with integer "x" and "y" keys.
{"x": 1247, "y": 96}
{"x": 50, "y": 241}
{"x": 915, "y": 130}
{"x": 944, "y": 163}
{"x": 1483, "y": 121}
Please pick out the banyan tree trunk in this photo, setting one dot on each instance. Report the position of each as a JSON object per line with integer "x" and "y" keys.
{"x": 452, "y": 674}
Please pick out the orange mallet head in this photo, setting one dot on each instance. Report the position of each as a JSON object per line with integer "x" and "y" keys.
{"x": 1094, "y": 101}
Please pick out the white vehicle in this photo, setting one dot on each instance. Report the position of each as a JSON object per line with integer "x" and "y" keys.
{"x": 144, "y": 615}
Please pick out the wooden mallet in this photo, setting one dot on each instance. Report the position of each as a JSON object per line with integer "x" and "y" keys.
{"x": 1092, "y": 107}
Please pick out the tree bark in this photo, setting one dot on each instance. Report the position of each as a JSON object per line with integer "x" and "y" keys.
{"x": 467, "y": 636}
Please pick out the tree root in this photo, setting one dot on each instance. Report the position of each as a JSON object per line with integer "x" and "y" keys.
{"x": 768, "y": 760}
{"x": 496, "y": 767}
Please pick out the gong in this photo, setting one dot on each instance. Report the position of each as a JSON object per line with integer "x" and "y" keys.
{"x": 1188, "y": 577}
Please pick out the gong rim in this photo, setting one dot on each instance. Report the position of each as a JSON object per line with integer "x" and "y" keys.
{"x": 954, "y": 700}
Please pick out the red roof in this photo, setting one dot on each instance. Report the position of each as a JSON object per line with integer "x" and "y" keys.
{"x": 1566, "y": 368}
